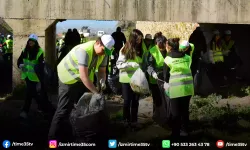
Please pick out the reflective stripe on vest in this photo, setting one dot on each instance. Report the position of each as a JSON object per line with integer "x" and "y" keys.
{"x": 68, "y": 70}
{"x": 159, "y": 61}
{"x": 9, "y": 46}
{"x": 217, "y": 53}
{"x": 29, "y": 67}
{"x": 181, "y": 79}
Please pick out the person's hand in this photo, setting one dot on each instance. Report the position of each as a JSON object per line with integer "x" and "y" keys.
{"x": 102, "y": 84}
{"x": 21, "y": 66}
{"x": 166, "y": 86}
{"x": 134, "y": 64}
{"x": 154, "y": 75}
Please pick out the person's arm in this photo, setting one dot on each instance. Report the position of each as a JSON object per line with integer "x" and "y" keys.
{"x": 121, "y": 62}
{"x": 83, "y": 70}
{"x": 102, "y": 69}
{"x": 20, "y": 59}
{"x": 85, "y": 79}
{"x": 166, "y": 73}
{"x": 150, "y": 65}
{"x": 124, "y": 38}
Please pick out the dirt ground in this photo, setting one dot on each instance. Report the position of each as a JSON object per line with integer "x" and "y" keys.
{"x": 35, "y": 129}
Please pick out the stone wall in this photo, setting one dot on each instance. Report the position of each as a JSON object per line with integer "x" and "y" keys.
{"x": 169, "y": 29}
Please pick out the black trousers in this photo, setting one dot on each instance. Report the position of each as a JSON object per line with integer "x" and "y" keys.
{"x": 131, "y": 103}
{"x": 31, "y": 92}
{"x": 67, "y": 95}
{"x": 156, "y": 94}
{"x": 180, "y": 114}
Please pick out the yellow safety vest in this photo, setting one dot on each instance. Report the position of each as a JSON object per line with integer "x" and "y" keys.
{"x": 159, "y": 61}
{"x": 68, "y": 70}
{"x": 227, "y": 46}
{"x": 181, "y": 79}
{"x": 28, "y": 69}
{"x": 217, "y": 53}
{"x": 9, "y": 46}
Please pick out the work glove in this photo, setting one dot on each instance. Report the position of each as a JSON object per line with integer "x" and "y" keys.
{"x": 134, "y": 64}
{"x": 154, "y": 75}
{"x": 21, "y": 66}
{"x": 102, "y": 84}
{"x": 166, "y": 86}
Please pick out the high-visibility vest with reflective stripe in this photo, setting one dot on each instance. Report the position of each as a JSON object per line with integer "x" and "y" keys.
{"x": 9, "y": 46}
{"x": 228, "y": 46}
{"x": 181, "y": 79}
{"x": 159, "y": 61}
{"x": 29, "y": 67}
{"x": 68, "y": 70}
{"x": 192, "y": 49}
{"x": 61, "y": 42}
{"x": 126, "y": 74}
{"x": 217, "y": 53}
{"x": 84, "y": 40}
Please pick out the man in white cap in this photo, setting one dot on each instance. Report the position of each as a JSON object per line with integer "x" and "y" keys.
{"x": 76, "y": 75}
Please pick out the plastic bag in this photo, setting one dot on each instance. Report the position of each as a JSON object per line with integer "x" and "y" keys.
{"x": 162, "y": 114}
{"x": 89, "y": 117}
{"x": 139, "y": 83}
{"x": 114, "y": 84}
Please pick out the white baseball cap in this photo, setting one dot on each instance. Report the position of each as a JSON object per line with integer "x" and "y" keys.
{"x": 184, "y": 44}
{"x": 33, "y": 37}
{"x": 108, "y": 42}
{"x": 148, "y": 36}
{"x": 227, "y": 32}
{"x": 8, "y": 36}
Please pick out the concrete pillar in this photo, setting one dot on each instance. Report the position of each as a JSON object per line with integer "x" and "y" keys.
{"x": 22, "y": 28}
{"x": 50, "y": 45}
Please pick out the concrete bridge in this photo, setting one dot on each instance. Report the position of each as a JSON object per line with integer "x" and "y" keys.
{"x": 40, "y": 16}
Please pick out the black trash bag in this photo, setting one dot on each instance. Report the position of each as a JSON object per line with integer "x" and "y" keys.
{"x": 89, "y": 119}
{"x": 114, "y": 84}
{"x": 50, "y": 77}
{"x": 202, "y": 83}
{"x": 162, "y": 114}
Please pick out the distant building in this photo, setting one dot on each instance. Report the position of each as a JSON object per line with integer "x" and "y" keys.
{"x": 85, "y": 31}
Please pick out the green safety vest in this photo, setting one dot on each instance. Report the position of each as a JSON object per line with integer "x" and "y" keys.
{"x": 126, "y": 74}
{"x": 192, "y": 49}
{"x": 217, "y": 53}
{"x": 61, "y": 42}
{"x": 227, "y": 46}
{"x": 29, "y": 67}
{"x": 68, "y": 70}
{"x": 159, "y": 61}
{"x": 9, "y": 46}
{"x": 181, "y": 79}
{"x": 84, "y": 40}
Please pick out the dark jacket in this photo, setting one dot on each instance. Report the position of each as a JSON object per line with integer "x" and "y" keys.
{"x": 166, "y": 69}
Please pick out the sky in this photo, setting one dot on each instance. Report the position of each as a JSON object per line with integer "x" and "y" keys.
{"x": 94, "y": 25}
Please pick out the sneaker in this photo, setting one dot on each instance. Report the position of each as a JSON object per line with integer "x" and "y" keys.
{"x": 24, "y": 115}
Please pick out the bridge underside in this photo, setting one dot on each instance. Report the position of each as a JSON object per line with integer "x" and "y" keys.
{"x": 40, "y": 17}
